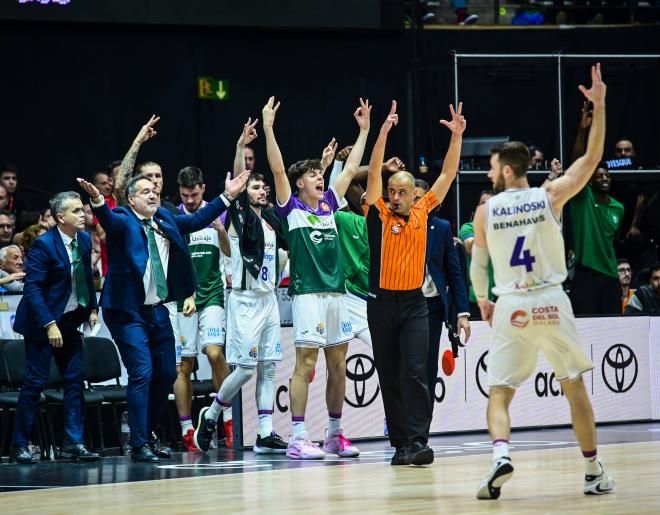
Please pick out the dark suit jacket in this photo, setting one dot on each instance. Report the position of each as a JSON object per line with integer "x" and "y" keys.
{"x": 48, "y": 284}
{"x": 443, "y": 265}
{"x": 128, "y": 252}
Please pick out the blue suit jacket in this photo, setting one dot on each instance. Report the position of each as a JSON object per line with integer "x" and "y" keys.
{"x": 128, "y": 253}
{"x": 48, "y": 284}
{"x": 443, "y": 265}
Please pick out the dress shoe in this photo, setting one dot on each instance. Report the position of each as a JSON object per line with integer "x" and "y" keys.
{"x": 143, "y": 454}
{"x": 160, "y": 450}
{"x": 22, "y": 455}
{"x": 420, "y": 454}
{"x": 400, "y": 457}
{"x": 77, "y": 452}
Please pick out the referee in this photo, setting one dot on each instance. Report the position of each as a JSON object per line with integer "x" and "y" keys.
{"x": 396, "y": 308}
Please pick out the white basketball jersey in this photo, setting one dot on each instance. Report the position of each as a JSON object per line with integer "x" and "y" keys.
{"x": 525, "y": 243}
{"x": 268, "y": 274}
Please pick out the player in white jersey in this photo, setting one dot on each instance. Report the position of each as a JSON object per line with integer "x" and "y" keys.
{"x": 253, "y": 319}
{"x": 519, "y": 228}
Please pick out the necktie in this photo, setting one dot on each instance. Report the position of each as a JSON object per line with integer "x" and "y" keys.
{"x": 156, "y": 264}
{"x": 79, "y": 277}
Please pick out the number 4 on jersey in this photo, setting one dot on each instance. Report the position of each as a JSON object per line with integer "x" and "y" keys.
{"x": 522, "y": 257}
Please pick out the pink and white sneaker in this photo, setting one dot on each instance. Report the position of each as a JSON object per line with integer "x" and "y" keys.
{"x": 301, "y": 448}
{"x": 340, "y": 445}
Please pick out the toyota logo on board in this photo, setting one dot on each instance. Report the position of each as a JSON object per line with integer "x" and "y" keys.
{"x": 619, "y": 368}
{"x": 481, "y": 373}
{"x": 359, "y": 369}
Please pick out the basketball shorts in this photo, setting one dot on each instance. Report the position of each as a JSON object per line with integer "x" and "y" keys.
{"x": 320, "y": 320}
{"x": 357, "y": 313}
{"x": 203, "y": 328}
{"x": 526, "y": 323}
{"x": 253, "y": 329}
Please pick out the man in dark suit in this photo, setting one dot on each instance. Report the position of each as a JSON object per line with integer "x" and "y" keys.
{"x": 58, "y": 296}
{"x": 149, "y": 264}
{"x": 443, "y": 272}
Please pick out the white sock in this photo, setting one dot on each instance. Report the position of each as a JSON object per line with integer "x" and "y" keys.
{"x": 500, "y": 449}
{"x": 592, "y": 467}
{"x": 265, "y": 424}
{"x": 226, "y": 415}
{"x": 186, "y": 423}
{"x": 298, "y": 426}
{"x": 230, "y": 387}
{"x": 334, "y": 423}
{"x": 217, "y": 407}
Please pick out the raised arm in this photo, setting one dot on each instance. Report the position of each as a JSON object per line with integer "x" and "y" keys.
{"x": 128, "y": 163}
{"x": 453, "y": 157}
{"x": 579, "y": 146}
{"x": 112, "y": 222}
{"x": 282, "y": 186}
{"x": 578, "y": 174}
{"x": 363, "y": 117}
{"x": 374, "y": 177}
{"x": 328, "y": 154}
{"x": 248, "y": 135}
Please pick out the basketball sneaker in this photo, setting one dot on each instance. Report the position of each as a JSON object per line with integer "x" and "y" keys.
{"x": 189, "y": 441}
{"x": 229, "y": 434}
{"x": 338, "y": 444}
{"x": 500, "y": 472}
{"x": 420, "y": 454}
{"x": 400, "y": 457}
{"x": 600, "y": 484}
{"x": 301, "y": 448}
{"x": 204, "y": 432}
{"x": 271, "y": 444}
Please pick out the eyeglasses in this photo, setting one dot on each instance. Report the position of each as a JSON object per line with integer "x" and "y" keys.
{"x": 6, "y": 226}
{"x": 624, "y": 149}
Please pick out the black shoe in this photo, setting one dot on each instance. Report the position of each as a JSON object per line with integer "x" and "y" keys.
{"x": 204, "y": 432}
{"x": 160, "y": 450}
{"x": 400, "y": 457}
{"x": 143, "y": 454}
{"x": 77, "y": 452}
{"x": 420, "y": 454}
{"x": 271, "y": 444}
{"x": 22, "y": 455}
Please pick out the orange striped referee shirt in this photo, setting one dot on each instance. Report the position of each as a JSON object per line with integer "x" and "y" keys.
{"x": 397, "y": 245}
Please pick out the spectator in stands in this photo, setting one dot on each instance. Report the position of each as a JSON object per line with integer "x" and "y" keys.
{"x": 466, "y": 236}
{"x": 104, "y": 183}
{"x": 596, "y": 221}
{"x": 624, "y": 148}
{"x": 4, "y": 197}
{"x": 11, "y": 268}
{"x": 625, "y": 276}
{"x": 537, "y": 160}
{"x": 6, "y": 228}
{"x": 31, "y": 233}
{"x": 46, "y": 219}
{"x": 9, "y": 179}
{"x": 646, "y": 300}
{"x": 113, "y": 170}
{"x": 90, "y": 225}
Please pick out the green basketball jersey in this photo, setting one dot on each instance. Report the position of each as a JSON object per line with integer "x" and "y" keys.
{"x": 354, "y": 244}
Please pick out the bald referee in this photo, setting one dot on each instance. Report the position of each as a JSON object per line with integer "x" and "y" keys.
{"x": 396, "y": 308}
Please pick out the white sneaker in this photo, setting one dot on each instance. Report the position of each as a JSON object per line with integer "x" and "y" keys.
{"x": 340, "y": 445}
{"x": 599, "y": 485}
{"x": 500, "y": 472}
{"x": 301, "y": 448}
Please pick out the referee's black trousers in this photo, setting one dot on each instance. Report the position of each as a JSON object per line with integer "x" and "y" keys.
{"x": 398, "y": 322}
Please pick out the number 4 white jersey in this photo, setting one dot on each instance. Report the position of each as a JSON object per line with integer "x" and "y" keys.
{"x": 525, "y": 242}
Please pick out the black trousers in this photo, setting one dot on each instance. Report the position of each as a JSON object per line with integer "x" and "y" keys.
{"x": 436, "y": 316}
{"x": 398, "y": 322}
{"x": 593, "y": 293}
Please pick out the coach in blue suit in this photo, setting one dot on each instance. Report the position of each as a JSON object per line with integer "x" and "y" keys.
{"x": 443, "y": 275}
{"x": 148, "y": 264}
{"x": 58, "y": 296}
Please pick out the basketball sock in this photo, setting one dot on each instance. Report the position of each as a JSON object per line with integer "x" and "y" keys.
{"x": 334, "y": 423}
{"x": 265, "y": 393}
{"x": 591, "y": 465}
{"x": 500, "y": 448}
{"x": 216, "y": 408}
{"x": 298, "y": 425}
{"x": 186, "y": 423}
{"x": 230, "y": 387}
{"x": 226, "y": 414}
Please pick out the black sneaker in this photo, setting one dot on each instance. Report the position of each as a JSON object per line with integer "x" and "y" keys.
{"x": 205, "y": 431}
{"x": 271, "y": 444}
{"x": 400, "y": 457}
{"x": 500, "y": 472}
{"x": 160, "y": 450}
{"x": 420, "y": 454}
{"x": 21, "y": 454}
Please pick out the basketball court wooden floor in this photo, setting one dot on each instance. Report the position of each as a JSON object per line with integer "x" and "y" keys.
{"x": 548, "y": 479}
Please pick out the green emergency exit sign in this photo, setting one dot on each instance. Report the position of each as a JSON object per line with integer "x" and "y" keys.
{"x": 209, "y": 88}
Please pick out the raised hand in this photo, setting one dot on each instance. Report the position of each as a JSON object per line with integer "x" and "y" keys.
{"x": 363, "y": 114}
{"x": 458, "y": 123}
{"x": 249, "y": 133}
{"x": 89, "y": 188}
{"x": 556, "y": 169}
{"x": 393, "y": 165}
{"x": 596, "y": 94}
{"x": 343, "y": 154}
{"x": 268, "y": 113}
{"x": 392, "y": 118}
{"x": 586, "y": 115}
{"x": 233, "y": 187}
{"x": 147, "y": 131}
{"x": 328, "y": 154}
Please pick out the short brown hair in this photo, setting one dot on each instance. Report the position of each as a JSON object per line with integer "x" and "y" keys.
{"x": 256, "y": 177}
{"x": 297, "y": 170}
{"x": 190, "y": 176}
{"x": 515, "y": 154}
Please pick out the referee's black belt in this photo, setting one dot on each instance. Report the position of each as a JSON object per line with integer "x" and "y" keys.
{"x": 396, "y": 294}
